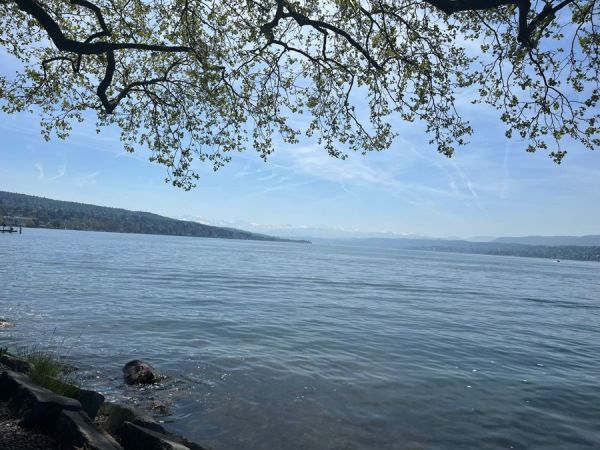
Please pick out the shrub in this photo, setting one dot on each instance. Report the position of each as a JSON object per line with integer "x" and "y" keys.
{"x": 46, "y": 369}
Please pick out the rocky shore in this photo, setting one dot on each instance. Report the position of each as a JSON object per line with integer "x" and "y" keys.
{"x": 35, "y": 418}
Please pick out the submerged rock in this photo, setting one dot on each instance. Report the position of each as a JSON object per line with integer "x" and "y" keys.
{"x": 140, "y": 372}
{"x": 160, "y": 407}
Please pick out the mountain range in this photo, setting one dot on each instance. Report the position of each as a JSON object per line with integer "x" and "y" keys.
{"x": 42, "y": 212}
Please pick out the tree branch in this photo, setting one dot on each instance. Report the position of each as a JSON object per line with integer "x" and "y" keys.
{"x": 547, "y": 12}
{"x": 453, "y": 6}
{"x": 302, "y": 20}
{"x": 87, "y": 47}
{"x": 525, "y": 28}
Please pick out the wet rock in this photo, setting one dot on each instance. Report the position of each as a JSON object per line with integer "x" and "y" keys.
{"x": 91, "y": 401}
{"x": 148, "y": 423}
{"x": 15, "y": 364}
{"x": 112, "y": 417}
{"x": 37, "y": 407}
{"x": 68, "y": 368}
{"x": 5, "y": 324}
{"x": 139, "y": 372}
{"x": 134, "y": 437}
{"x": 160, "y": 407}
{"x": 76, "y": 430}
{"x": 137, "y": 431}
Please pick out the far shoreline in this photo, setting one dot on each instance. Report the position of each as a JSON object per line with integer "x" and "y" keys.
{"x": 275, "y": 240}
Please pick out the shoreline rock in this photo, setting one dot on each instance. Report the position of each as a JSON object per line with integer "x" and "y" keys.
{"x": 91, "y": 424}
{"x": 16, "y": 364}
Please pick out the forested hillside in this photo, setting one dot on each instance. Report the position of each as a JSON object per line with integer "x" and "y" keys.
{"x": 587, "y": 241}
{"x": 575, "y": 252}
{"x": 41, "y": 212}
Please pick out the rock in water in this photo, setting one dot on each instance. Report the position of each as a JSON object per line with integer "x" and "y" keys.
{"x": 139, "y": 372}
{"x": 5, "y": 324}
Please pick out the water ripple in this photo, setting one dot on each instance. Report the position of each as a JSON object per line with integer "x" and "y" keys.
{"x": 274, "y": 345}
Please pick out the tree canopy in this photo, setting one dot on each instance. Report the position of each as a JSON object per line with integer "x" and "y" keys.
{"x": 200, "y": 79}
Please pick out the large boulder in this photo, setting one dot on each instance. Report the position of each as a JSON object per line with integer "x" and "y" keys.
{"x": 112, "y": 416}
{"x": 76, "y": 430}
{"x": 91, "y": 401}
{"x": 140, "y": 372}
{"x": 136, "y": 431}
{"x": 38, "y": 407}
{"x": 134, "y": 437}
{"x": 138, "y": 437}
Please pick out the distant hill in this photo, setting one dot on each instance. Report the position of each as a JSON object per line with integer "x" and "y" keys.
{"x": 39, "y": 212}
{"x": 590, "y": 240}
{"x": 575, "y": 252}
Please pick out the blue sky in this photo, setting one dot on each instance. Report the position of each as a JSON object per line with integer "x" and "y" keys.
{"x": 491, "y": 187}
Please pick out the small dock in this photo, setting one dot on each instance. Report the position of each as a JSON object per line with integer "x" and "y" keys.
{"x": 4, "y": 228}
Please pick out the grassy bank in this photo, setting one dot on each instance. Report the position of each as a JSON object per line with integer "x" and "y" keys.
{"x": 46, "y": 369}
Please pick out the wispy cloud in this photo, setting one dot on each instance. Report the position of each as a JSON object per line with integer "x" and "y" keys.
{"x": 40, "y": 170}
{"x": 87, "y": 179}
{"x": 465, "y": 180}
{"x": 61, "y": 172}
{"x": 391, "y": 173}
{"x": 315, "y": 162}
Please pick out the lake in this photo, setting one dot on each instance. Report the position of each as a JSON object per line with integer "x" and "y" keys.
{"x": 288, "y": 346}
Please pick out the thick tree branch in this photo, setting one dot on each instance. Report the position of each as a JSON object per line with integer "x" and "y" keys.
{"x": 525, "y": 28}
{"x": 85, "y": 48}
{"x": 453, "y": 6}
{"x": 547, "y": 13}
{"x": 322, "y": 27}
{"x": 523, "y": 36}
{"x": 136, "y": 84}
{"x": 109, "y": 106}
{"x": 303, "y": 20}
{"x": 97, "y": 13}
{"x": 267, "y": 28}
{"x": 88, "y": 47}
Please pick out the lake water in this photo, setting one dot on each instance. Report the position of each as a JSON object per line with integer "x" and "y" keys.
{"x": 290, "y": 346}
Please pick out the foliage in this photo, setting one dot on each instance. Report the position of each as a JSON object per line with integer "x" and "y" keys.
{"x": 200, "y": 79}
{"x": 3, "y": 351}
{"x": 46, "y": 369}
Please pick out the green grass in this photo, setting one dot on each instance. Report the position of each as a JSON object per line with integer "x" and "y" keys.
{"x": 46, "y": 368}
